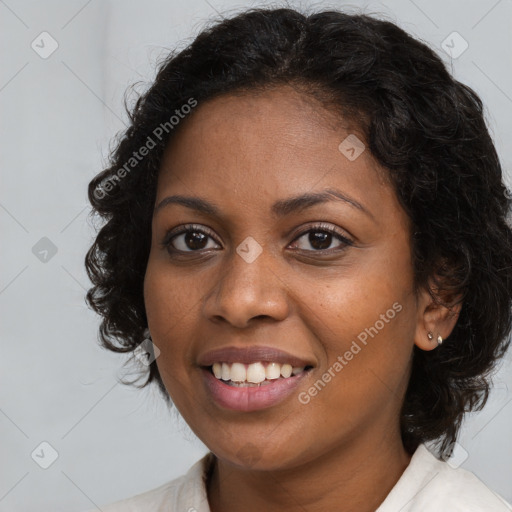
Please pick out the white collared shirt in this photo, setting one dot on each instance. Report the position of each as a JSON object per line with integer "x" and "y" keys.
{"x": 426, "y": 485}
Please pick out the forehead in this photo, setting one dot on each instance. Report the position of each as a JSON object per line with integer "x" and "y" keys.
{"x": 274, "y": 143}
{"x": 261, "y": 115}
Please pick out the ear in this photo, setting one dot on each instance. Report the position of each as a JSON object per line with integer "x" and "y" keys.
{"x": 435, "y": 318}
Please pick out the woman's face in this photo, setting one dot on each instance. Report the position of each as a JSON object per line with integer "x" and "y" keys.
{"x": 262, "y": 280}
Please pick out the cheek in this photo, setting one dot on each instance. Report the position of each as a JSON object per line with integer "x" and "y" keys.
{"x": 171, "y": 319}
{"x": 365, "y": 358}
{"x": 366, "y": 324}
{"x": 168, "y": 297}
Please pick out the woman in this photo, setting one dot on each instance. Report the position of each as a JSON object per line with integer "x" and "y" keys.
{"x": 307, "y": 218}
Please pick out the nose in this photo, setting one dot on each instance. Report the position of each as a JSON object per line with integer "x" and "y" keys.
{"x": 245, "y": 291}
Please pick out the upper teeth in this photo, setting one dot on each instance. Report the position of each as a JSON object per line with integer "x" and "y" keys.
{"x": 255, "y": 372}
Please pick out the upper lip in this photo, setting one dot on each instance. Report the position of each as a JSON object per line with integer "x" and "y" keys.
{"x": 248, "y": 355}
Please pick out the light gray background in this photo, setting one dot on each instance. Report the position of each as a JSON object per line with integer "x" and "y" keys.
{"x": 57, "y": 117}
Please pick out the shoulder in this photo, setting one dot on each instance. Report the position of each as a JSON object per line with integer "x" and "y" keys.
{"x": 431, "y": 485}
{"x": 186, "y": 493}
{"x": 154, "y": 499}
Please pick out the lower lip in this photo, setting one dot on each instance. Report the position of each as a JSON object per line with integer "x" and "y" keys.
{"x": 253, "y": 398}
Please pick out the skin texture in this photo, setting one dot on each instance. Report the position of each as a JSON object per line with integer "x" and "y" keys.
{"x": 342, "y": 450}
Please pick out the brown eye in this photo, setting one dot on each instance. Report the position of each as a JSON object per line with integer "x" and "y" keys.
{"x": 190, "y": 239}
{"x": 195, "y": 240}
{"x": 321, "y": 239}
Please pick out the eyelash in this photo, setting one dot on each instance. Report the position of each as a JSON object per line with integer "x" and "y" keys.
{"x": 320, "y": 227}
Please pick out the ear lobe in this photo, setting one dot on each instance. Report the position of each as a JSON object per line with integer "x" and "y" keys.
{"x": 435, "y": 319}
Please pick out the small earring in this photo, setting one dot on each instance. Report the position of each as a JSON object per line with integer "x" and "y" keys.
{"x": 146, "y": 334}
{"x": 439, "y": 339}
{"x": 430, "y": 336}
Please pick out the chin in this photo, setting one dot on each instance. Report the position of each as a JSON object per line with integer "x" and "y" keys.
{"x": 251, "y": 457}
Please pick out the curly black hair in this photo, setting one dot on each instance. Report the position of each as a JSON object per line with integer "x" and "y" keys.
{"x": 426, "y": 128}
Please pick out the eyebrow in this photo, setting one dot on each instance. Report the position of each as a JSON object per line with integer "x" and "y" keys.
{"x": 280, "y": 208}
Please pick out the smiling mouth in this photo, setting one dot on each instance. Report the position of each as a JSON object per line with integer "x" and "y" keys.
{"x": 255, "y": 374}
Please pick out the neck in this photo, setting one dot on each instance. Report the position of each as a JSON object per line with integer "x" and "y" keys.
{"x": 354, "y": 477}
